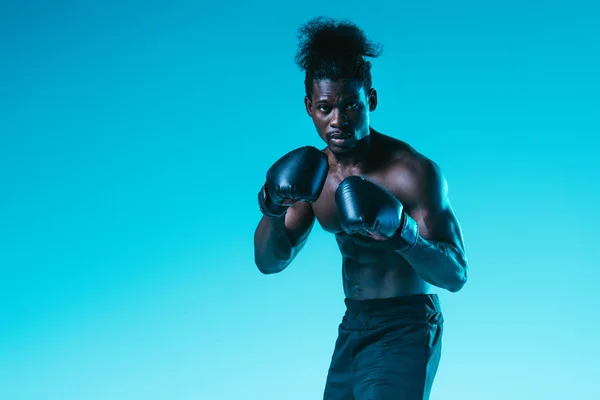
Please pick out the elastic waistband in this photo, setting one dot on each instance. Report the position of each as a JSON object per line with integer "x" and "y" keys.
{"x": 427, "y": 300}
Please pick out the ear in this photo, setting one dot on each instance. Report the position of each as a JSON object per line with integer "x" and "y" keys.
{"x": 308, "y": 105}
{"x": 372, "y": 99}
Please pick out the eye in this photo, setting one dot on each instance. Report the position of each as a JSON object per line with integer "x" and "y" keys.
{"x": 323, "y": 108}
{"x": 351, "y": 105}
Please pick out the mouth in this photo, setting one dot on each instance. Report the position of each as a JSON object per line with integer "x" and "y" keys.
{"x": 339, "y": 138}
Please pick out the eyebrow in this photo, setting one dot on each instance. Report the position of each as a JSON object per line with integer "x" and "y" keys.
{"x": 344, "y": 99}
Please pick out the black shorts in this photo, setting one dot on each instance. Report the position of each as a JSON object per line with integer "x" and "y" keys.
{"x": 386, "y": 349}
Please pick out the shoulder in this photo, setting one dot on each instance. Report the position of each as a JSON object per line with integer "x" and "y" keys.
{"x": 416, "y": 176}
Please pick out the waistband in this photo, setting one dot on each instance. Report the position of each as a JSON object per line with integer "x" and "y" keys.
{"x": 426, "y": 301}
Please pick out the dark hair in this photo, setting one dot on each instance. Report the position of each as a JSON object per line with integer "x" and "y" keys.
{"x": 334, "y": 50}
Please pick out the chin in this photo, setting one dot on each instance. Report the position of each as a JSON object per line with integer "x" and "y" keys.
{"x": 341, "y": 149}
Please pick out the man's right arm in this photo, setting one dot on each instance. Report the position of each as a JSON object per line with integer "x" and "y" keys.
{"x": 277, "y": 241}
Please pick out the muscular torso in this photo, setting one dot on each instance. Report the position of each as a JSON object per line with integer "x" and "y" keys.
{"x": 370, "y": 269}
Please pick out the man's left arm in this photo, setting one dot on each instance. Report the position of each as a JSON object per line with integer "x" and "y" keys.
{"x": 430, "y": 236}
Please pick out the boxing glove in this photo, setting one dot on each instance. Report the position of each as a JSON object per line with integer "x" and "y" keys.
{"x": 297, "y": 176}
{"x": 368, "y": 209}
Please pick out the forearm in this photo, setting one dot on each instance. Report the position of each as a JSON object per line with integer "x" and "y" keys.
{"x": 441, "y": 264}
{"x": 273, "y": 250}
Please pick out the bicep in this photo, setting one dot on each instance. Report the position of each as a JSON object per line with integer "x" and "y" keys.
{"x": 299, "y": 221}
{"x": 439, "y": 223}
{"x": 431, "y": 209}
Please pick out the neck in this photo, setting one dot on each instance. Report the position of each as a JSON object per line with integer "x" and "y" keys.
{"x": 359, "y": 154}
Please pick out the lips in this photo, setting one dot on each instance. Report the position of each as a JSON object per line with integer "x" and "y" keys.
{"x": 340, "y": 135}
{"x": 340, "y": 140}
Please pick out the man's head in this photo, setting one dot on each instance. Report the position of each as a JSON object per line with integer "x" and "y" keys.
{"x": 339, "y": 93}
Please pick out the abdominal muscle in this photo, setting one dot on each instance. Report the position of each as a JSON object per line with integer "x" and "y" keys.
{"x": 372, "y": 271}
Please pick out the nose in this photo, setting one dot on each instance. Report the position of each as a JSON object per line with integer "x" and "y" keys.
{"x": 339, "y": 119}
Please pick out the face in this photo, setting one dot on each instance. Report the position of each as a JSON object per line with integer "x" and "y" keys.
{"x": 340, "y": 111}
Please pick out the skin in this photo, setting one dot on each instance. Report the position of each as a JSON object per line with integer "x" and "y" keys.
{"x": 371, "y": 268}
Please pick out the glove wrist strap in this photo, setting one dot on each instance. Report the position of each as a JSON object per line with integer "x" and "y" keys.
{"x": 407, "y": 235}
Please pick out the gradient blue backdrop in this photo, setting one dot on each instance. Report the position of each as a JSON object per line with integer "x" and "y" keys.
{"x": 135, "y": 137}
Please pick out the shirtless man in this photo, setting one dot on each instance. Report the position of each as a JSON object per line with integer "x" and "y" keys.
{"x": 387, "y": 206}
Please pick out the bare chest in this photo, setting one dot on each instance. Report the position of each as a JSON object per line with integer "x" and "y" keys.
{"x": 325, "y": 209}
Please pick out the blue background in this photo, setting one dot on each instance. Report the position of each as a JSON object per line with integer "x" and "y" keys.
{"x": 135, "y": 137}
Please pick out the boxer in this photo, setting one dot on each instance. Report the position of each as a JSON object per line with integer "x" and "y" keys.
{"x": 388, "y": 207}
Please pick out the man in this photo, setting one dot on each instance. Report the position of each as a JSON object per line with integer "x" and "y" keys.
{"x": 387, "y": 206}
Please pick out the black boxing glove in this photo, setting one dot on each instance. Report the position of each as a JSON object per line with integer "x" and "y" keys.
{"x": 297, "y": 176}
{"x": 368, "y": 209}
